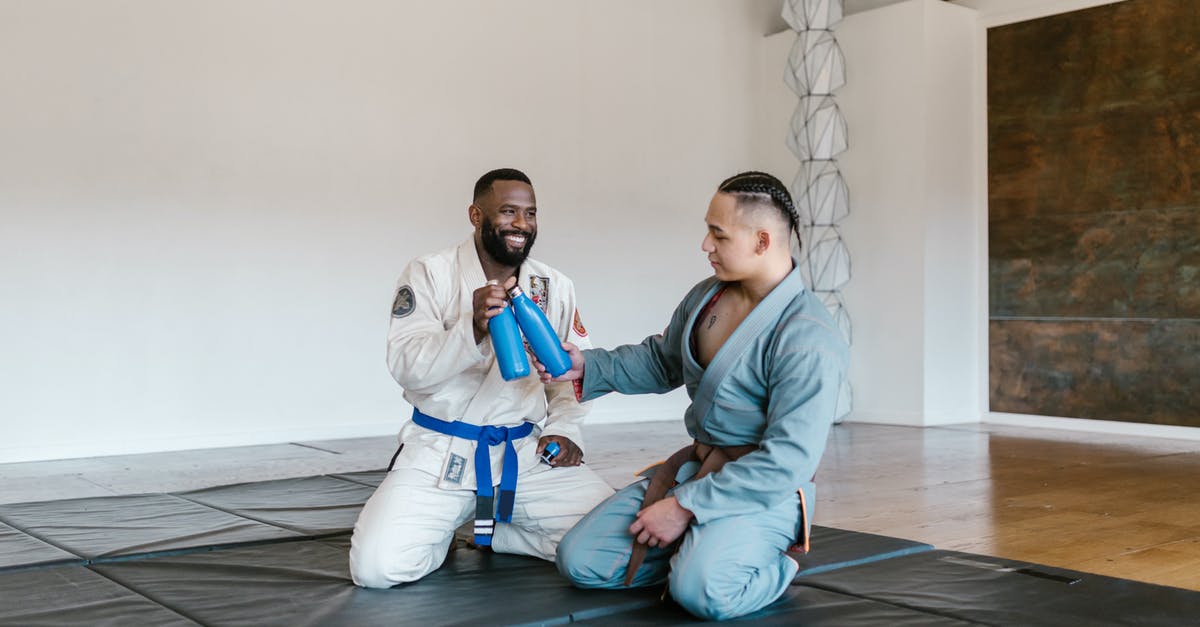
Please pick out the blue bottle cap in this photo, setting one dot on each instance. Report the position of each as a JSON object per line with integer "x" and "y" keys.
{"x": 550, "y": 452}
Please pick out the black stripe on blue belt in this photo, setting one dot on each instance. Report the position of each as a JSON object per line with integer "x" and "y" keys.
{"x": 485, "y": 437}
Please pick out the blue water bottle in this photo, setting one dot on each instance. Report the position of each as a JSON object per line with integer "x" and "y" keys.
{"x": 538, "y": 332}
{"x": 506, "y": 342}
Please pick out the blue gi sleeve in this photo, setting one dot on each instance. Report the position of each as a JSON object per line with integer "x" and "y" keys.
{"x": 654, "y": 366}
{"x": 564, "y": 413}
{"x": 803, "y": 384}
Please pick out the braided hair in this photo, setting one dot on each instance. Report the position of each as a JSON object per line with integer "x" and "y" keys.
{"x": 761, "y": 187}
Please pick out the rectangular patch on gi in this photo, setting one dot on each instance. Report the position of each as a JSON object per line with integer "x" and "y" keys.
{"x": 455, "y": 468}
{"x": 539, "y": 290}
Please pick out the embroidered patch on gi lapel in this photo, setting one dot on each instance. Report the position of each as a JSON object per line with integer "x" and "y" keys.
{"x": 578, "y": 326}
{"x": 454, "y": 468}
{"x": 539, "y": 290}
{"x": 405, "y": 302}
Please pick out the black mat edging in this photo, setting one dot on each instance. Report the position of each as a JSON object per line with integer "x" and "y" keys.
{"x": 912, "y": 608}
{"x": 601, "y": 612}
{"x": 28, "y": 567}
{"x": 824, "y": 568}
{"x": 551, "y": 622}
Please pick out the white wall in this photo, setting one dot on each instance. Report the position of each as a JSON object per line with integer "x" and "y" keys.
{"x": 205, "y": 202}
{"x": 882, "y": 102}
{"x": 953, "y": 288}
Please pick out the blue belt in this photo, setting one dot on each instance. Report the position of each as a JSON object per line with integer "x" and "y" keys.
{"x": 485, "y": 438}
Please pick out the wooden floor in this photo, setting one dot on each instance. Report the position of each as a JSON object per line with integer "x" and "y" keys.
{"x": 1116, "y": 505}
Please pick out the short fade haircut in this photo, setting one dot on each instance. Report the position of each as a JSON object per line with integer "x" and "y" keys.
{"x": 484, "y": 184}
{"x": 760, "y": 187}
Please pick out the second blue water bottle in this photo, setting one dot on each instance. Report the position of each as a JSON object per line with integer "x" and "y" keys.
{"x": 538, "y": 332}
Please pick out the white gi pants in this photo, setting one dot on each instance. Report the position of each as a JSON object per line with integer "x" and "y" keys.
{"x": 404, "y": 531}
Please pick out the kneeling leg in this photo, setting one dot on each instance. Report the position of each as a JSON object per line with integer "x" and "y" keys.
{"x": 595, "y": 553}
{"x": 405, "y": 529}
{"x": 733, "y": 566}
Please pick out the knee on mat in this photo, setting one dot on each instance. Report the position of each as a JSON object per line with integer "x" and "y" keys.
{"x": 577, "y": 563}
{"x": 570, "y": 562}
{"x": 367, "y": 569}
{"x": 701, "y": 596}
{"x": 373, "y": 566}
{"x": 368, "y": 577}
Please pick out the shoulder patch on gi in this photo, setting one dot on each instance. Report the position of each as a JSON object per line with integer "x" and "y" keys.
{"x": 539, "y": 290}
{"x": 405, "y": 302}
{"x": 578, "y": 325}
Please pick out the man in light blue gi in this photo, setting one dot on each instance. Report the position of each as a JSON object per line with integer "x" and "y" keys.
{"x": 763, "y": 362}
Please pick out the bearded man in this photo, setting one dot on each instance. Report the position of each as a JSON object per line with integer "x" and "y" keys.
{"x": 471, "y": 430}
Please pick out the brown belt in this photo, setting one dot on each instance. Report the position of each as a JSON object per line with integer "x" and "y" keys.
{"x": 711, "y": 459}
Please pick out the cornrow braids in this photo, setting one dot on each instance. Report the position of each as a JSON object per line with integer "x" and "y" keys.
{"x": 754, "y": 185}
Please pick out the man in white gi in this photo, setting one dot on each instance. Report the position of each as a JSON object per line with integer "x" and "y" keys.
{"x": 471, "y": 429}
{"x": 762, "y": 362}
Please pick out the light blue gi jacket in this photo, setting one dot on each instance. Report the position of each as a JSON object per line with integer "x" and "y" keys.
{"x": 774, "y": 384}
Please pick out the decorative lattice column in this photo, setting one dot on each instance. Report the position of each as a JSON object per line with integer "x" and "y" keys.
{"x": 816, "y": 69}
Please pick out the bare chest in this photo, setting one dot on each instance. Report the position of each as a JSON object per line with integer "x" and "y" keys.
{"x": 715, "y": 325}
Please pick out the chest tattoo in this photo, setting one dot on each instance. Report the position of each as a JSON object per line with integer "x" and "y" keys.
{"x": 711, "y": 321}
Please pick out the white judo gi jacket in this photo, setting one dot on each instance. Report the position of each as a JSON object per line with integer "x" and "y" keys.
{"x": 432, "y": 354}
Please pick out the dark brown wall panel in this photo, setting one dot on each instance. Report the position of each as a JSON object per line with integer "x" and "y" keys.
{"x": 1126, "y": 159}
{"x": 1113, "y": 370}
{"x": 1094, "y": 212}
{"x": 1143, "y": 264}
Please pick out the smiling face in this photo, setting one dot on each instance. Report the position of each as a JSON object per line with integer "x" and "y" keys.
{"x": 505, "y": 220}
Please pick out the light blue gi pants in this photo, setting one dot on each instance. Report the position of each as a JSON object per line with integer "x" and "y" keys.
{"x": 725, "y": 568}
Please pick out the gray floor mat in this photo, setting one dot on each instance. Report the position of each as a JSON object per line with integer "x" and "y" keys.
{"x": 310, "y": 506}
{"x": 71, "y": 595}
{"x": 21, "y": 550}
{"x": 1005, "y": 592}
{"x": 307, "y": 583}
{"x": 117, "y": 526}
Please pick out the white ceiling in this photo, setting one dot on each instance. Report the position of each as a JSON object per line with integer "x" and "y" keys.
{"x": 767, "y": 12}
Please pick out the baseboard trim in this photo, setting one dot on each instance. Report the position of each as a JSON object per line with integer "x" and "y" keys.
{"x": 1113, "y": 427}
{"x": 161, "y": 444}
{"x": 896, "y": 418}
{"x": 619, "y": 409}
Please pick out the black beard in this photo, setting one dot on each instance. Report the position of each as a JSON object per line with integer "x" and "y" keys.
{"x": 494, "y": 244}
